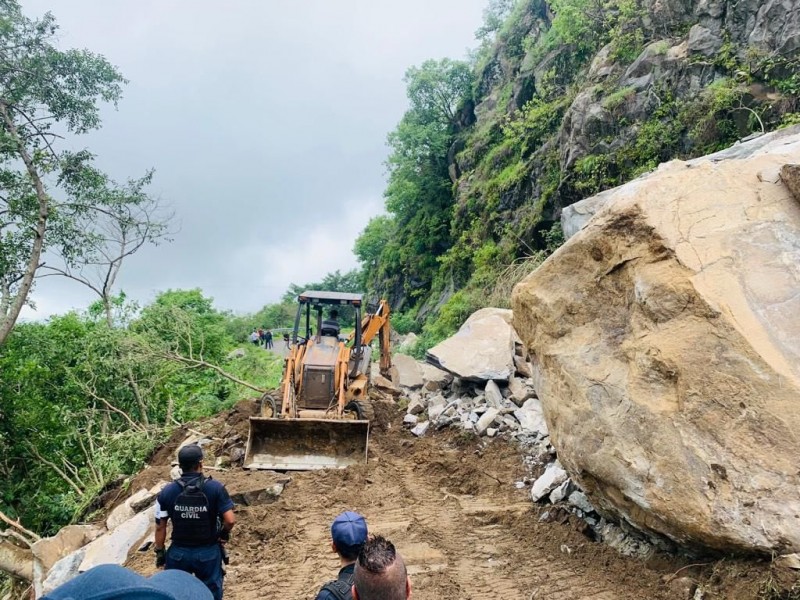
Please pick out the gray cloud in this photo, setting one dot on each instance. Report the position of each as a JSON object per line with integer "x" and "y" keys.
{"x": 266, "y": 123}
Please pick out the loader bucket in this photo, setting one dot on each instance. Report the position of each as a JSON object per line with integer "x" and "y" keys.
{"x": 305, "y": 444}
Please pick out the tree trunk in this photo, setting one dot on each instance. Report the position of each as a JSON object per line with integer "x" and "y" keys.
{"x": 15, "y": 306}
{"x": 16, "y": 561}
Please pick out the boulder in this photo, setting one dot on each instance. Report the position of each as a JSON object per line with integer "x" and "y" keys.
{"x": 48, "y": 551}
{"x": 666, "y": 351}
{"x": 113, "y": 547}
{"x": 64, "y": 570}
{"x": 125, "y": 511}
{"x": 435, "y": 379}
{"x": 385, "y": 385}
{"x": 481, "y": 350}
{"x": 408, "y": 372}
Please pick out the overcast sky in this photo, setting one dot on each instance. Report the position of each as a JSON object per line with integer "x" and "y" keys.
{"x": 266, "y": 123}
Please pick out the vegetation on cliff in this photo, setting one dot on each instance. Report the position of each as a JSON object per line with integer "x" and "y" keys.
{"x": 563, "y": 99}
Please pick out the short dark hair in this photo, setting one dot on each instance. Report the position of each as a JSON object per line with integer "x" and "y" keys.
{"x": 334, "y": 313}
{"x": 380, "y": 572}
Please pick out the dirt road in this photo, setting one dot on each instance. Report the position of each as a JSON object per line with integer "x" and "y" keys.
{"x": 448, "y": 503}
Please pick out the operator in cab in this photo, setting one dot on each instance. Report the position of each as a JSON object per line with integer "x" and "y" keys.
{"x": 330, "y": 326}
{"x": 202, "y": 517}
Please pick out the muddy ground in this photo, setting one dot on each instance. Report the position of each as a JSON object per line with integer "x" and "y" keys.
{"x": 449, "y": 504}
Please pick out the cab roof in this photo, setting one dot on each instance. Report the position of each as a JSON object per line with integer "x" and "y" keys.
{"x": 319, "y": 297}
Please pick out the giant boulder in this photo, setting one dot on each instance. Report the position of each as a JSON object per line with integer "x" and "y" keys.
{"x": 666, "y": 350}
{"x": 482, "y": 349}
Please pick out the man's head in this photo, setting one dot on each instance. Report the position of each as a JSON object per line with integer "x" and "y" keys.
{"x": 190, "y": 458}
{"x": 334, "y": 314}
{"x": 380, "y": 572}
{"x": 348, "y": 534}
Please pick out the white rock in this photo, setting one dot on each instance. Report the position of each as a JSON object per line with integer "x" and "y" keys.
{"x": 487, "y": 419}
{"x": 520, "y": 390}
{"x": 113, "y": 547}
{"x": 561, "y": 492}
{"x": 410, "y": 420}
{"x": 552, "y": 477}
{"x": 531, "y": 417}
{"x": 435, "y": 379}
{"x": 421, "y": 428}
{"x": 435, "y": 411}
{"x": 493, "y": 395}
{"x": 64, "y": 570}
{"x": 125, "y": 511}
{"x": 491, "y": 432}
{"x": 482, "y": 349}
{"x": 407, "y": 370}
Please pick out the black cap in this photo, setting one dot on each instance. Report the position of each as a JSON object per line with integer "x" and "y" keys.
{"x": 190, "y": 455}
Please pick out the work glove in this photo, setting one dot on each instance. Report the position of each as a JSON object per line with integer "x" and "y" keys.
{"x": 161, "y": 557}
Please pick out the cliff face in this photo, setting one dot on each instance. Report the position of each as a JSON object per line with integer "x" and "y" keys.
{"x": 577, "y": 96}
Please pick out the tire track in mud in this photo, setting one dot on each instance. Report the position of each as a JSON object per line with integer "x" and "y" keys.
{"x": 449, "y": 505}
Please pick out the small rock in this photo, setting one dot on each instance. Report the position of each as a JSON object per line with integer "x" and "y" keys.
{"x": 385, "y": 385}
{"x": 415, "y": 407}
{"x": 469, "y": 426}
{"x": 491, "y": 432}
{"x": 237, "y": 455}
{"x": 553, "y": 476}
{"x": 487, "y": 419}
{"x": 421, "y": 428}
{"x": 790, "y": 561}
{"x": 236, "y": 353}
{"x": 520, "y": 391}
{"x": 561, "y": 492}
{"x": 523, "y": 367}
{"x": 410, "y": 420}
{"x": 579, "y": 500}
{"x": 493, "y": 395}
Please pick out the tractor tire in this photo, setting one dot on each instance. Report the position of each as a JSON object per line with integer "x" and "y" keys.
{"x": 363, "y": 409}
{"x": 267, "y": 407}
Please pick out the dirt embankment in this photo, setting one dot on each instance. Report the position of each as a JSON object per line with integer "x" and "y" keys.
{"x": 449, "y": 504}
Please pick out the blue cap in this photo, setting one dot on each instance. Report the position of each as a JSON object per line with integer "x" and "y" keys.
{"x": 111, "y": 582}
{"x": 349, "y": 532}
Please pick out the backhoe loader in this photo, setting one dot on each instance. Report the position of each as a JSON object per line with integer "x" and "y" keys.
{"x": 324, "y": 413}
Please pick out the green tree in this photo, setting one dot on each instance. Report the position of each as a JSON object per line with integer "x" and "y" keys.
{"x": 48, "y": 193}
{"x": 419, "y": 198}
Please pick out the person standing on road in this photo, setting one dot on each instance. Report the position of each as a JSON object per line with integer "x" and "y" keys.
{"x": 201, "y": 512}
{"x": 254, "y": 336}
{"x": 269, "y": 339}
{"x": 348, "y": 534}
{"x": 380, "y": 572}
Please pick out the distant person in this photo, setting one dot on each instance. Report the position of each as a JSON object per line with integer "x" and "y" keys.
{"x": 348, "y": 534}
{"x": 201, "y": 512}
{"x": 330, "y": 326}
{"x": 260, "y": 332}
{"x": 380, "y": 572}
{"x": 115, "y": 582}
{"x": 262, "y": 335}
{"x": 286, "y": 340}
{"x": 269, "y": 339}
{"x": 254, "y": 336}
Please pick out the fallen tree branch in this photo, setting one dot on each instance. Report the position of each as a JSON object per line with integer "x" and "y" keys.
{"x": 18, "y": 526}
{"x": 196, "y": 363}
{"x": 61, "y": 473}
{"x": 16, "y": 561}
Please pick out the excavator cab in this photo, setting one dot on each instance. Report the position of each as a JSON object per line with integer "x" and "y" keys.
{"x": 323, "y": 420}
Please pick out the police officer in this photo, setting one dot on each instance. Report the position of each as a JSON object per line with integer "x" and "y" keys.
{"x": 348, "y": 535}
{"x": 201, "y": 512}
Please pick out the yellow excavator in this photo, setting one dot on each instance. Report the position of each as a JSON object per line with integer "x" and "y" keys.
{"x": 325, "y": 410}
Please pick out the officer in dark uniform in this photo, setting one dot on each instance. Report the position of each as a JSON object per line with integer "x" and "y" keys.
{"x": 348, "y": 535}
{"x": 201, "y": 512}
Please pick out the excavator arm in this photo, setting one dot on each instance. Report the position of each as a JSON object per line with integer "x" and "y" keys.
{"x": 374, "y": 324}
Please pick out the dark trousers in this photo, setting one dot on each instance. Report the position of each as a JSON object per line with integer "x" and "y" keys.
{"x": 204, "y": 562}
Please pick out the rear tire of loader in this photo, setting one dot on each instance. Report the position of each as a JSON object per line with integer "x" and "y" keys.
{"x": 362, "y": 408}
